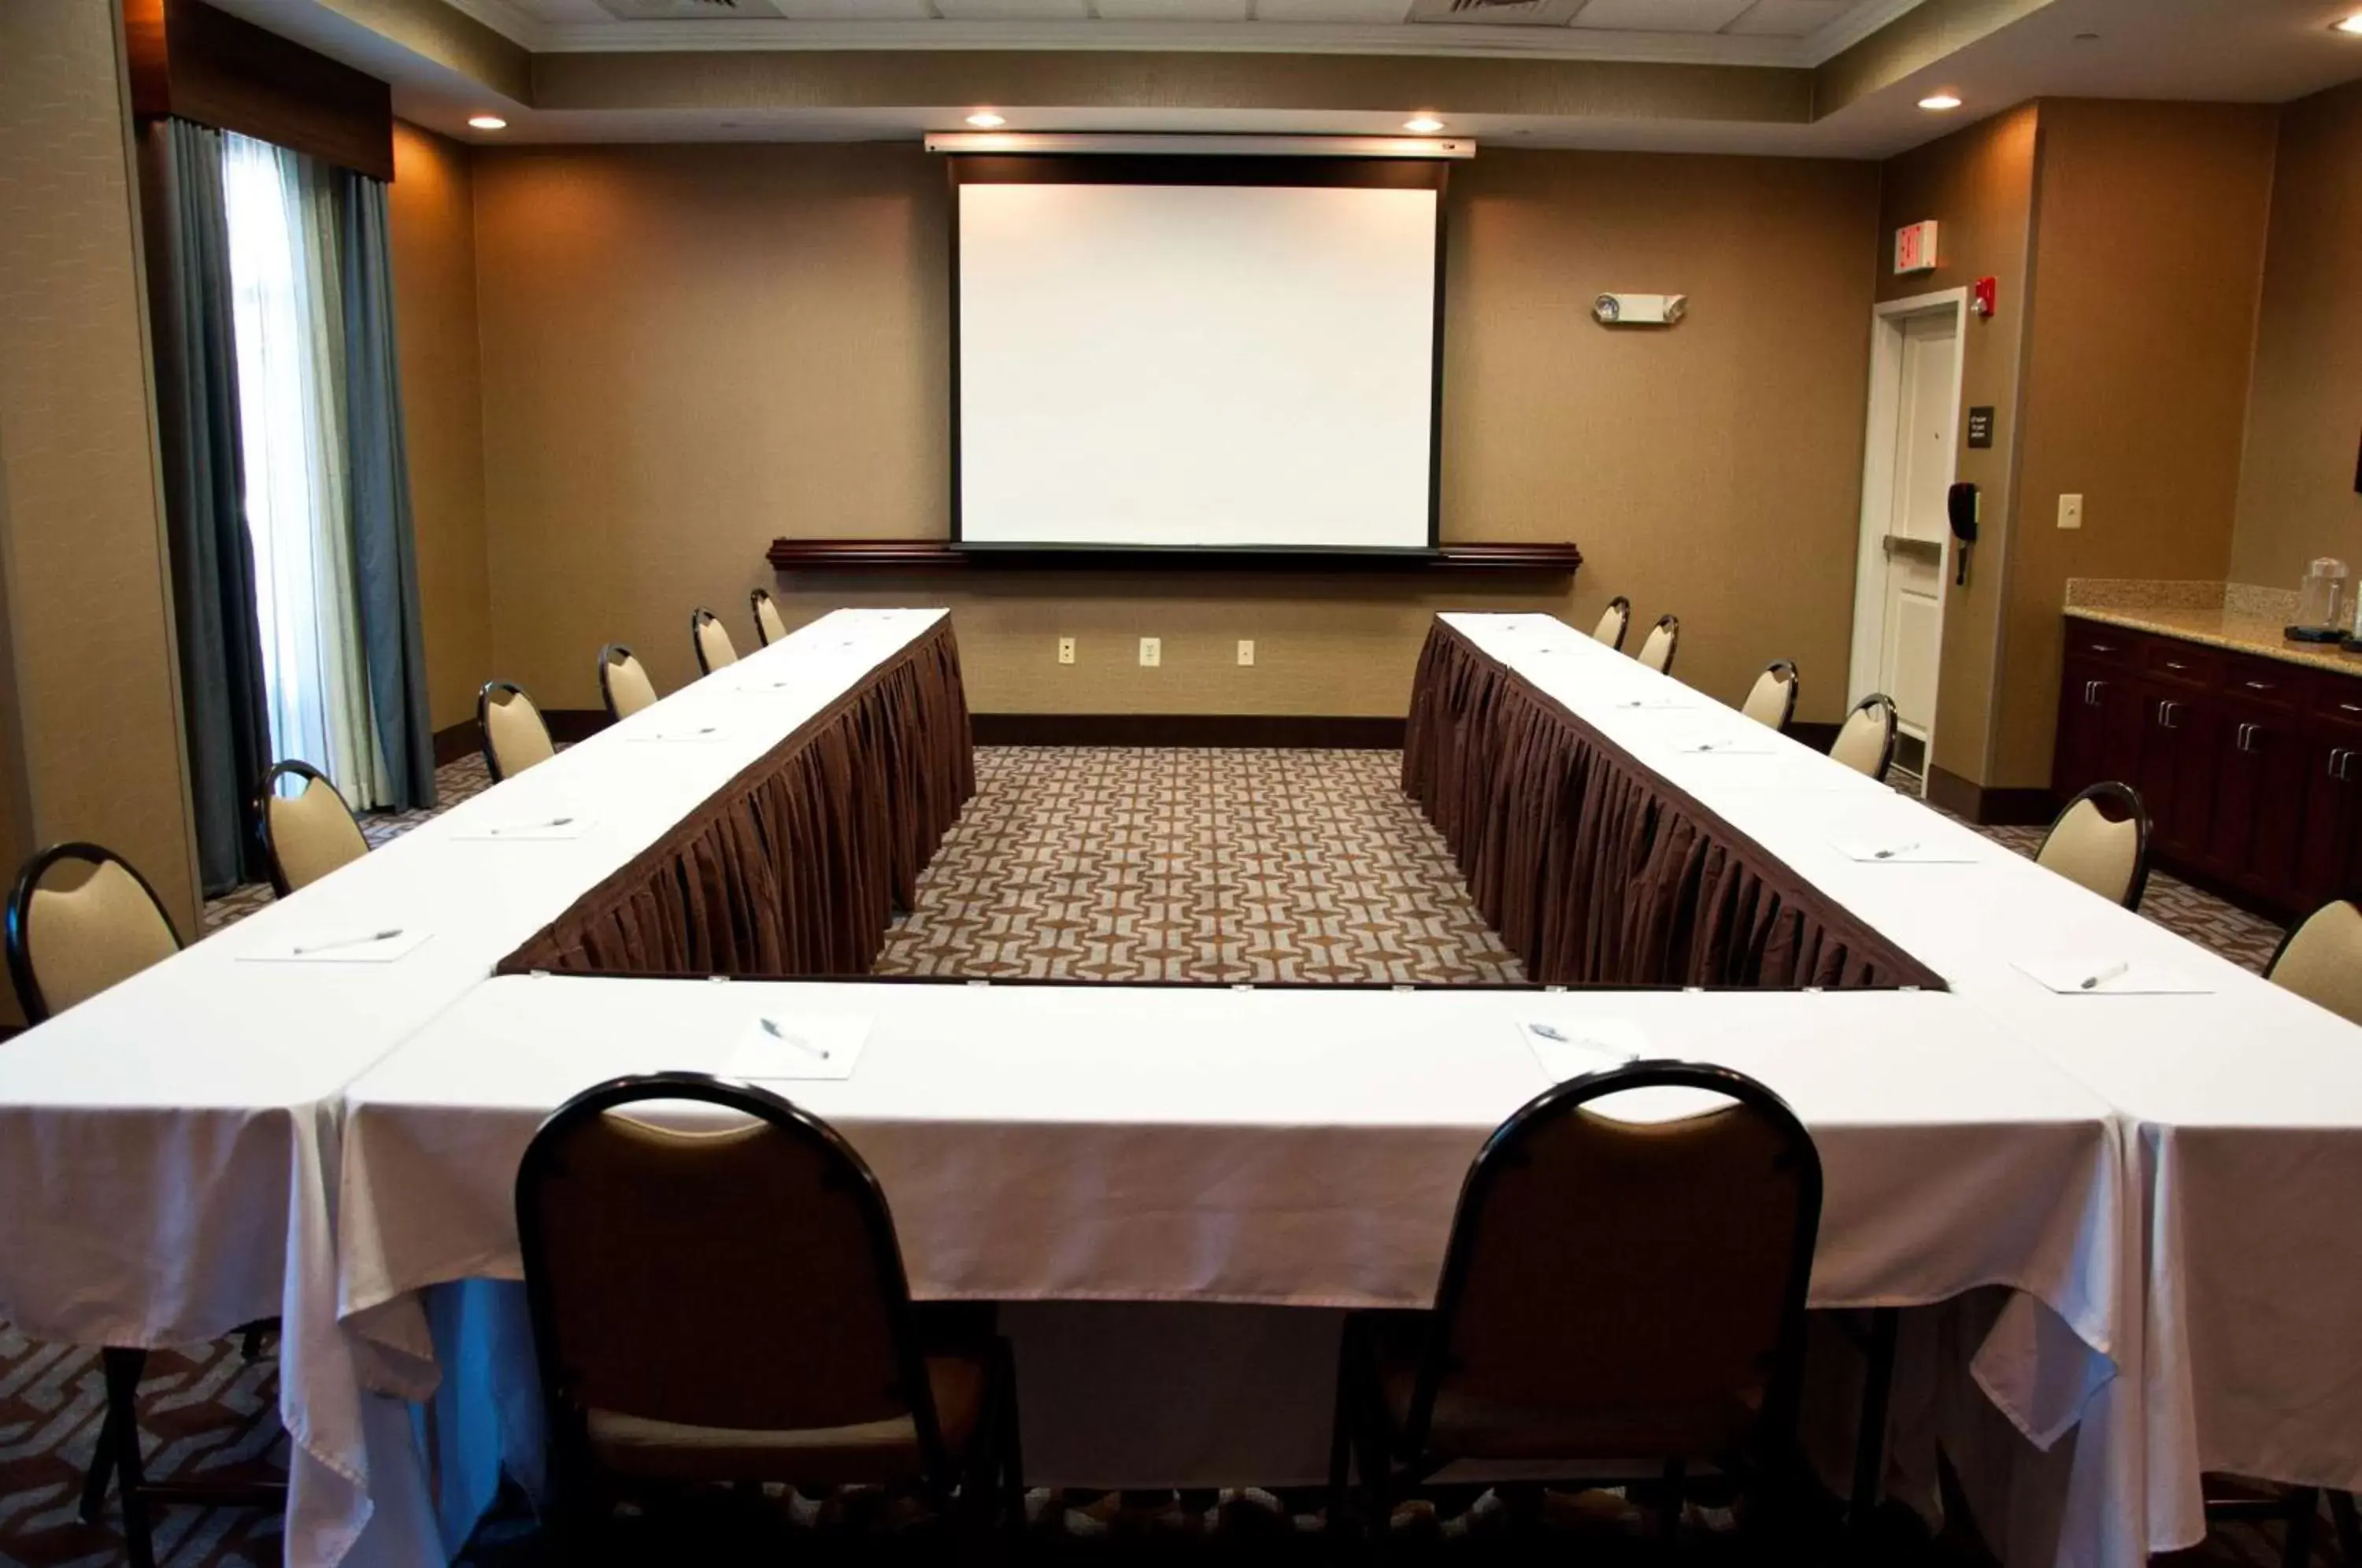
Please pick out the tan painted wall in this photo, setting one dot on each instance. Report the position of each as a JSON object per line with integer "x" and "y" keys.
{"x": 90, "y": 619}
{"x": 2297, "y": 498}
{"x": 2149, "y": 255}
{"x": 1978, "y": 184}
{"x": 434, "y": 238}
{"x": 688, "y": 351}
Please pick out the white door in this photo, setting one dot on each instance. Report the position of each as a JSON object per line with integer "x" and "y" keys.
{"x": 1912, "y": 632}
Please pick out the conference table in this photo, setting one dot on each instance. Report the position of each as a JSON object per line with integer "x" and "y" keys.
{"x": 2145, "y": 1186}
{"x": 169, "y": 1149}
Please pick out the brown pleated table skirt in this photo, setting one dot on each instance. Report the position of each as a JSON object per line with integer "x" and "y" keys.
{"x": 797, "y": 866}
{"x": 1598, "y": 871}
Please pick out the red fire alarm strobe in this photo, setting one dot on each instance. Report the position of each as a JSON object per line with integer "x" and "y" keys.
{"x": 1981, "y": 296}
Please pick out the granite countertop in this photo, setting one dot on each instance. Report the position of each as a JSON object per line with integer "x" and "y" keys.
{"x": 2239, "y": 630}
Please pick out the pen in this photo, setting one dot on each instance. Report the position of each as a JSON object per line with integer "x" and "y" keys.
{"x": 386, "y": 935}
{"x": 797, "y": 1040}
{"x": 1890, "y": 852}
{"x": 1547, "y": 1032}
{"x": 2093, "y": 982}
{"x": 532, "y": 827}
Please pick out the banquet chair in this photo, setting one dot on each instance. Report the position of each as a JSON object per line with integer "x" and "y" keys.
{"x": 307, "y": 835}
{"x": 2321, "y": 960}
{"x": 1865, "y": 741}
{"x": 1657, "y": 647}
{"x": 768, "y": 627}
{"x": 2109, "y": 856}
{"x": 1614, "y": 622}
{"x": 623, "y": 683}
{"x": 65, "y": 945}
{"x": 514, "y": 737}
{"x": 711, "y": 639}
{"x": 1773, "y": 699}
{"x": 1613, "y": 1291}
{"x": 677, "y": 1345}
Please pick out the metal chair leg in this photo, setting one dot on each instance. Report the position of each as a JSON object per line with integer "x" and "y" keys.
{"x": 1869, "y": 1441}
{"x": 123, "y": 1370}
{"x": 100, "y": 1473}
{"x": 2303, "y": 1512}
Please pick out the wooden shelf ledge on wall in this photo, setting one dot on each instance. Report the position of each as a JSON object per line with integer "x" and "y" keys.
{"x": 939, "y": 554}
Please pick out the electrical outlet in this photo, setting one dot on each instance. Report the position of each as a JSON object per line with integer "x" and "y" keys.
{"x": 1065, "y": 650}
{"x": 1246, "y": 652}
{"x": 2070, "y": 511}
{"x": 1151, "y": 652}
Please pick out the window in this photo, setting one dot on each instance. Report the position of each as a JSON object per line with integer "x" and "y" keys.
{"x": 288, "y": 310}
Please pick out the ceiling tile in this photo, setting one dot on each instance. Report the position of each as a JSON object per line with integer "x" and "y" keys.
{"x": 1661, "y": 15}
{"x": 1367, "y": 11}
{"x": 1013, "y": 10}
{"x": 1790, "y": 18}
{"x": 1172, "y": 10}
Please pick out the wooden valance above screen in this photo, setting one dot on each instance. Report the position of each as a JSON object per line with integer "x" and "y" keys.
{"x": 188, "y": 60}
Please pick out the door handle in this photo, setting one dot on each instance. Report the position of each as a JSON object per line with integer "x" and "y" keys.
{"x": 2247, "y": 736}
{"x": 2338, "y": 757}
{"x": 2165, "y": 715}
{"x": 2091, "y": 694}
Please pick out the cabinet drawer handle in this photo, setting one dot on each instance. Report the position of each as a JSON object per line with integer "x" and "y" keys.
{"x": 2092, "y": 692}
{"x": 2348, "y": 708}
{"x": 2171, "y": 664}
{"x": 2248, "y": 733}
{"x": 2258, "y": 685}
{"x": 2165, "y": 715}
{"x": 2103, "y": 647}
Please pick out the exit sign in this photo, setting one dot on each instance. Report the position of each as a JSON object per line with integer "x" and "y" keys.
{"x": 1914, "y": 247}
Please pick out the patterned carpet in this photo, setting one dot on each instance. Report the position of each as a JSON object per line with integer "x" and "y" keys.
{"x": 1117, "y": 863}
{"x": 1098, "y": 864}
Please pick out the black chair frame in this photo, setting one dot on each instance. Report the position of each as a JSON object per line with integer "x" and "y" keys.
{"x": 484, "y": 720}
{"x": 1880, "y": 701}
{"x": 19, "y": 934}
{"x": 1672, "y": 627}
{"x": 1389, "y": 1459}
{"x": 698, "y": 619}
{"x": 1786, "y": 670}
{"x": 573, "y": 1471}
{"x": 291, "y": 767}
{"x": 2111, "y": 792}
{"x": 1623, "y": 607}
{"x": 608, "y": 656}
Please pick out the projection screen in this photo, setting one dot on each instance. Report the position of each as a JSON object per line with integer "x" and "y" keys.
{"x": 1240, "y": 357}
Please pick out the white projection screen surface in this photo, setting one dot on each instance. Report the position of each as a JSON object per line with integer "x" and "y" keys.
{"x": 1197, "y": 365}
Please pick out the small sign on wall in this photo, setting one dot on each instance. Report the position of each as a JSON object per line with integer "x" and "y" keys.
{"x": 1914, "y": 247}
{"x": 1981, "y": 425}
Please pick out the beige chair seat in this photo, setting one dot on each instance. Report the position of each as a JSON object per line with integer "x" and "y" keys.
{"x": 874, "y": 1451}
{"x": 1468, "y": 1427}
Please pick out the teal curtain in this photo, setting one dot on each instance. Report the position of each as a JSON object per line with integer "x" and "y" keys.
{"x": 224, "y": 704}
{"x": 376, "y": 471}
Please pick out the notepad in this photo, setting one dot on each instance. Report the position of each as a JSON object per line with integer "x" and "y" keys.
{"x": 1904, "y": 849}
{"x": 784, "y": 1046}
{"x": 2109, "y": 976}
{"x": 1570, "y": 1047}
{"x": 683, "y": 735}
{"x": 366, "y": 945}
{"x": 557, "y": 825}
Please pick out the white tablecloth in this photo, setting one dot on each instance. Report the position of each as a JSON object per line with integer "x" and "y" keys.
{"x": 169, "y": 1149}
{"x": 2241, "y": 1107}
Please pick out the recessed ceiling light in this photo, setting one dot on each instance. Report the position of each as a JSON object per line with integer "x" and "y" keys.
{"x": 2352, "y": 23}
{"x": 1423, "y": 124}
{"x": 488, "y": 122}
{"x": 985, "y": 119}
{"x": 1939, "y": 102}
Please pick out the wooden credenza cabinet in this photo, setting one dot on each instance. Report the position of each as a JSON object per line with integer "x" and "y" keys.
{"x": 2251, "y": 767}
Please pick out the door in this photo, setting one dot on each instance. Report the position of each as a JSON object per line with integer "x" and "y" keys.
{"x": 1909, "y": 455}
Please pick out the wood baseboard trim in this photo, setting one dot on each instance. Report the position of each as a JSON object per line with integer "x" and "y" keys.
{"x": 1224, "y": 730}
{"x": 1989, "y": 807}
